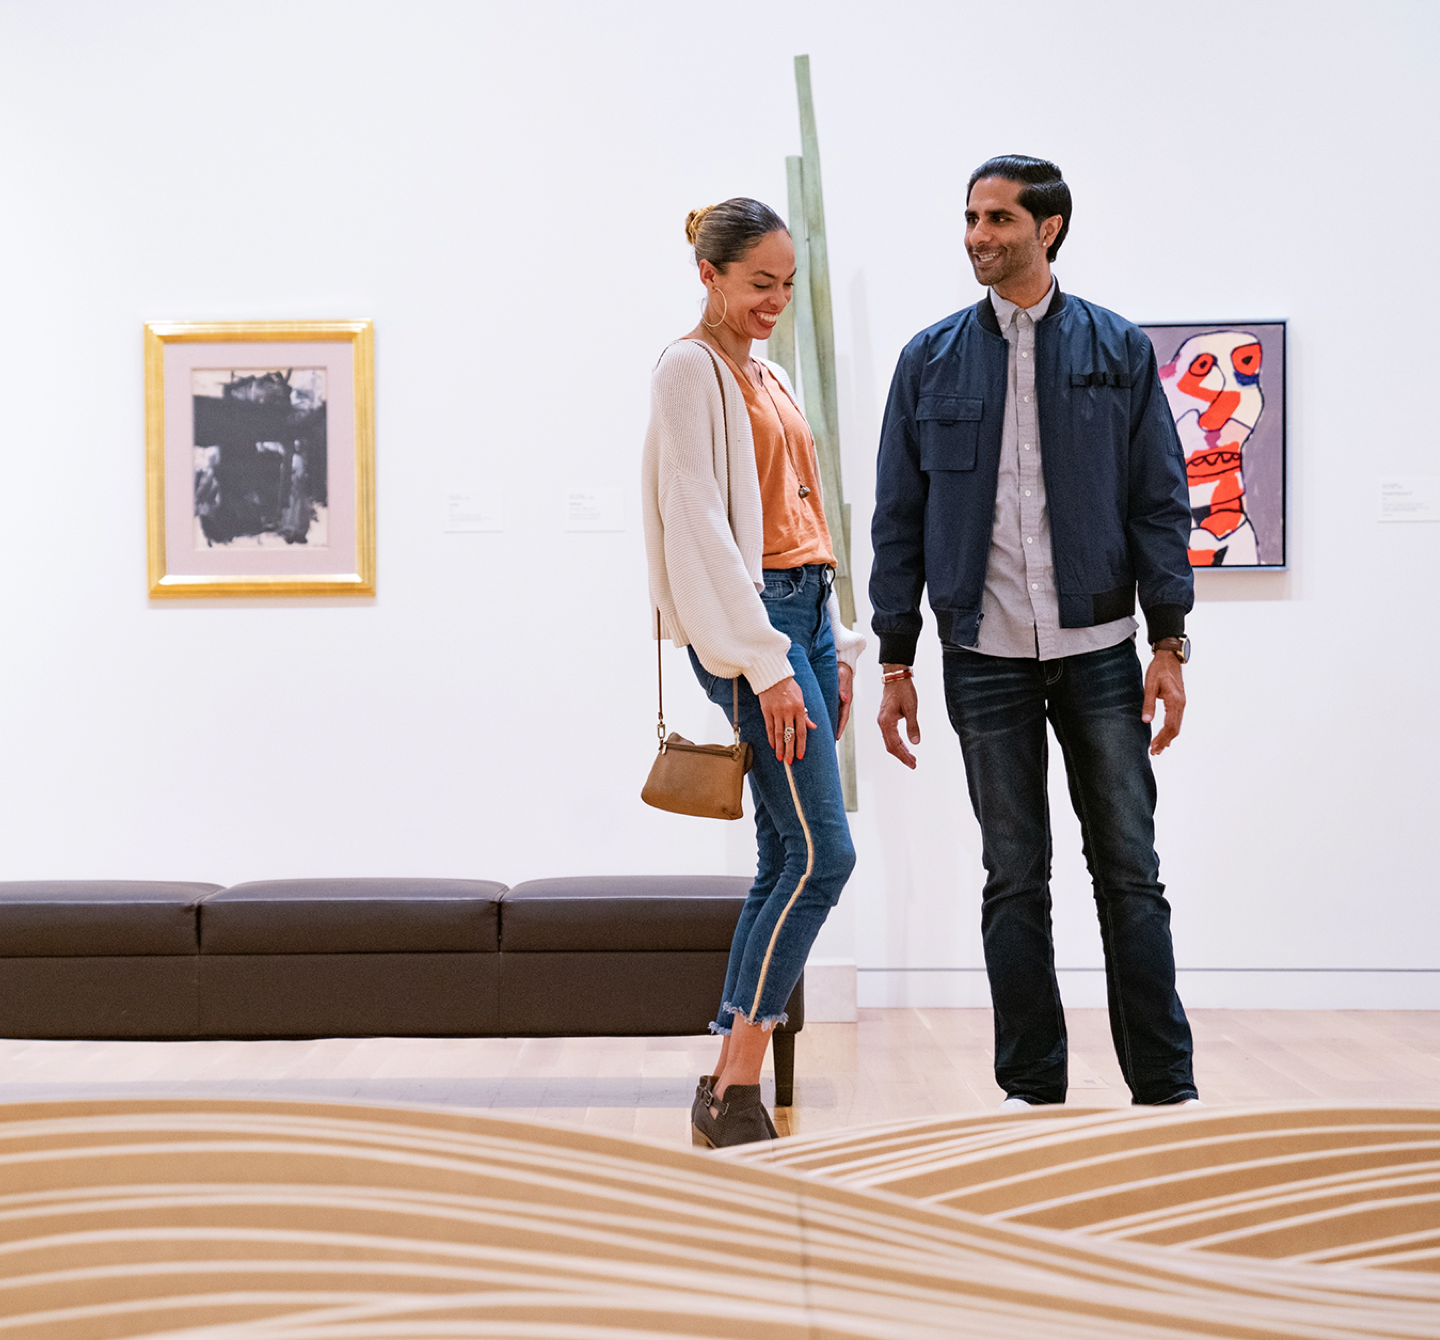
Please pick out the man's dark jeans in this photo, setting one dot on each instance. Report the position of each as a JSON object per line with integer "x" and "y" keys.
{"x": 999, "y": 706}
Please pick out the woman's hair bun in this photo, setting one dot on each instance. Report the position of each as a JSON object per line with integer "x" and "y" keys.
{"x": 725, "y": 232}
{"x": 693, "y": 220}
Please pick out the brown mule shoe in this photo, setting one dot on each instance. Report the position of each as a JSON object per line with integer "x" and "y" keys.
{"x": 742, "y": 1119}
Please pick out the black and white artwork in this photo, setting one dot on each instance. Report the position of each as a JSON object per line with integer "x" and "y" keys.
{"x": 260, "y": 466}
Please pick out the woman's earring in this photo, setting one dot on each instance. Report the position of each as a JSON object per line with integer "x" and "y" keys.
{"x": 712, "y": 325}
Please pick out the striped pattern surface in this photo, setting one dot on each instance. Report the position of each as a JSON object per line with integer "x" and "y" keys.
{"x": 312, "y": 1221}
{"x": 1359, "y": 1185}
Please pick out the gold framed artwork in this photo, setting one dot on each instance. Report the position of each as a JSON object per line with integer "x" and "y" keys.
{"x": 260, "y": 458}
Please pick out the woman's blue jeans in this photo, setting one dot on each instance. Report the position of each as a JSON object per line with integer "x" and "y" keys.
{"x": 999, "y": 706}
{"x": 786, "y": 906}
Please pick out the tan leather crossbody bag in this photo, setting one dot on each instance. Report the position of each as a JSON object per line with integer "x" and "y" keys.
{"x": 706, "y": 780}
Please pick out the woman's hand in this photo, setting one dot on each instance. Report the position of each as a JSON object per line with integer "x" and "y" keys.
{"x": 847, "y": 692}
{"x": 784, "y": 706}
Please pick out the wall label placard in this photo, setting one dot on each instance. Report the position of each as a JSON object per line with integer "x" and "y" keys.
{"x": 474, "y": 511}
{"x": 595, "y": 509}
{"x": 1410, "y": 498}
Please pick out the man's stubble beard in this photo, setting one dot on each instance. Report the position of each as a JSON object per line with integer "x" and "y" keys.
{"x": 1009, "y": 265}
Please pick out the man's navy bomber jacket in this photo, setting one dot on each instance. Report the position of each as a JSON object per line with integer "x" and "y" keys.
{"x": 1114, "y": 476}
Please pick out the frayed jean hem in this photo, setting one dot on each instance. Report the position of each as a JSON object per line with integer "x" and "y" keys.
{"x": 767, "y": 1024}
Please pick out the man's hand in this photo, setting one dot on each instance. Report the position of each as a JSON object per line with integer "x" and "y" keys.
{"x": 847, "y": 692}
{"x": 900, "y": 704}
{"x": 1163, "y": 680}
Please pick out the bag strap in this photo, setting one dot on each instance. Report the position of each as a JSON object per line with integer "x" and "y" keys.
{"x": 725, "y": 416}
{"x": 660, "y": 693}
{"x": 659, "y": 681}
{"x": 659, "y": 674}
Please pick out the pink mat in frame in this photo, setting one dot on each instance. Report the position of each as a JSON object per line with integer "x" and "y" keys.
{"x": 338, "y": 557}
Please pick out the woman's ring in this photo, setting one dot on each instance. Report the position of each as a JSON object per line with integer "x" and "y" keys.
{"x": 789, "y": 734}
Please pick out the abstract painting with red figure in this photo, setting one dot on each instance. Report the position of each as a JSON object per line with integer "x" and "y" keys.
{"x": 1220, "y": 382}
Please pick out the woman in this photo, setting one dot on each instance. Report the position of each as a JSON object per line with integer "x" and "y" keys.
{"x": 740, "y": 571}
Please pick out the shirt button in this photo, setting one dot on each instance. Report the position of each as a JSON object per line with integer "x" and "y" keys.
{"x": 1027, "y": 493}
{"x": 1029, "y": 539}
{"x": 1027, "y": 446}
{"x": 1027, "y": 399}
{"x": 1024, "y": 353}
{"x": 1034, "y": 586}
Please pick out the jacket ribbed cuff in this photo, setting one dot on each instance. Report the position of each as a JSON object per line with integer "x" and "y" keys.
{"x": 769, "y": 670}
{"x": 898, "y": 648}
{"x": 1163, "y": 621}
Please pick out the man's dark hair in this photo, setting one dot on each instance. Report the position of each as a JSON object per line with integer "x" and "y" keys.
{"x": 1044, "y": 191}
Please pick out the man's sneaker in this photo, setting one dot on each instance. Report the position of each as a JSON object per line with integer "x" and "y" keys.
{"x": 1016, "y": 1105}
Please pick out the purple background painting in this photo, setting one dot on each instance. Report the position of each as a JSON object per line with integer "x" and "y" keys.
{"x": 1263, "y": 456}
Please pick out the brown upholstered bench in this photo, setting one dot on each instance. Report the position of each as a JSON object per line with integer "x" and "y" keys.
{"x": 584, "y": 957}
{"x": 351, "y": 958}
{"x": 100, "y": 958}
{"x": 626, "y": 956}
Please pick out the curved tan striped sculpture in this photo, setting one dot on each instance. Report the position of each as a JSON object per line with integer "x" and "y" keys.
{"x": 298, "y": 1221}
{"x": 1353, "y": 1184}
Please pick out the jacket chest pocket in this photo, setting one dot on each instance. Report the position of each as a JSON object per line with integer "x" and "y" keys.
{"x": 1100, "y": 397}
{"x": 948, "y": 427}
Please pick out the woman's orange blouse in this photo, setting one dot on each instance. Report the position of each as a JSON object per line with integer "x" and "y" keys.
{"x": 795, "y": 530}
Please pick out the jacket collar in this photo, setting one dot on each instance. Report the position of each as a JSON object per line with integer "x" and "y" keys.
{"x": 985, "y": 310}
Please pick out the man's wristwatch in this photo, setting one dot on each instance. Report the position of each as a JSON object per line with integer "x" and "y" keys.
{"x": 1179, "y": 645}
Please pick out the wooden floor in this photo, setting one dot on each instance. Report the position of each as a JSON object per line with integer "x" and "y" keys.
{"x": 894, "y": 1063}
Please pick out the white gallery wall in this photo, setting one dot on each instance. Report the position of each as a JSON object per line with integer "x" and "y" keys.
{"x": 501, "y": 188}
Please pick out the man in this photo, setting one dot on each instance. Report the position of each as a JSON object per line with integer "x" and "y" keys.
{"x": 1030, "y": 476}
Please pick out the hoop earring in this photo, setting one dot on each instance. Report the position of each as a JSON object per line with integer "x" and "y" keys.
{"x": 712, "y": 325}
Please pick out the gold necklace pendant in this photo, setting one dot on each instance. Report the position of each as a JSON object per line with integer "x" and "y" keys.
{"x": 804, "y": 490}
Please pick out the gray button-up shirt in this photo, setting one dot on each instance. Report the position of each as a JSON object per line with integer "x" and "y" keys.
{"x": 1021, "y": 612}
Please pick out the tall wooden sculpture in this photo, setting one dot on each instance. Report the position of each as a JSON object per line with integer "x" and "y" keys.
{"x": 808, "y": 330}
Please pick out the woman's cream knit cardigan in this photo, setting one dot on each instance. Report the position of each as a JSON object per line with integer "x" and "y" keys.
{"x": 705, "y": 569}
